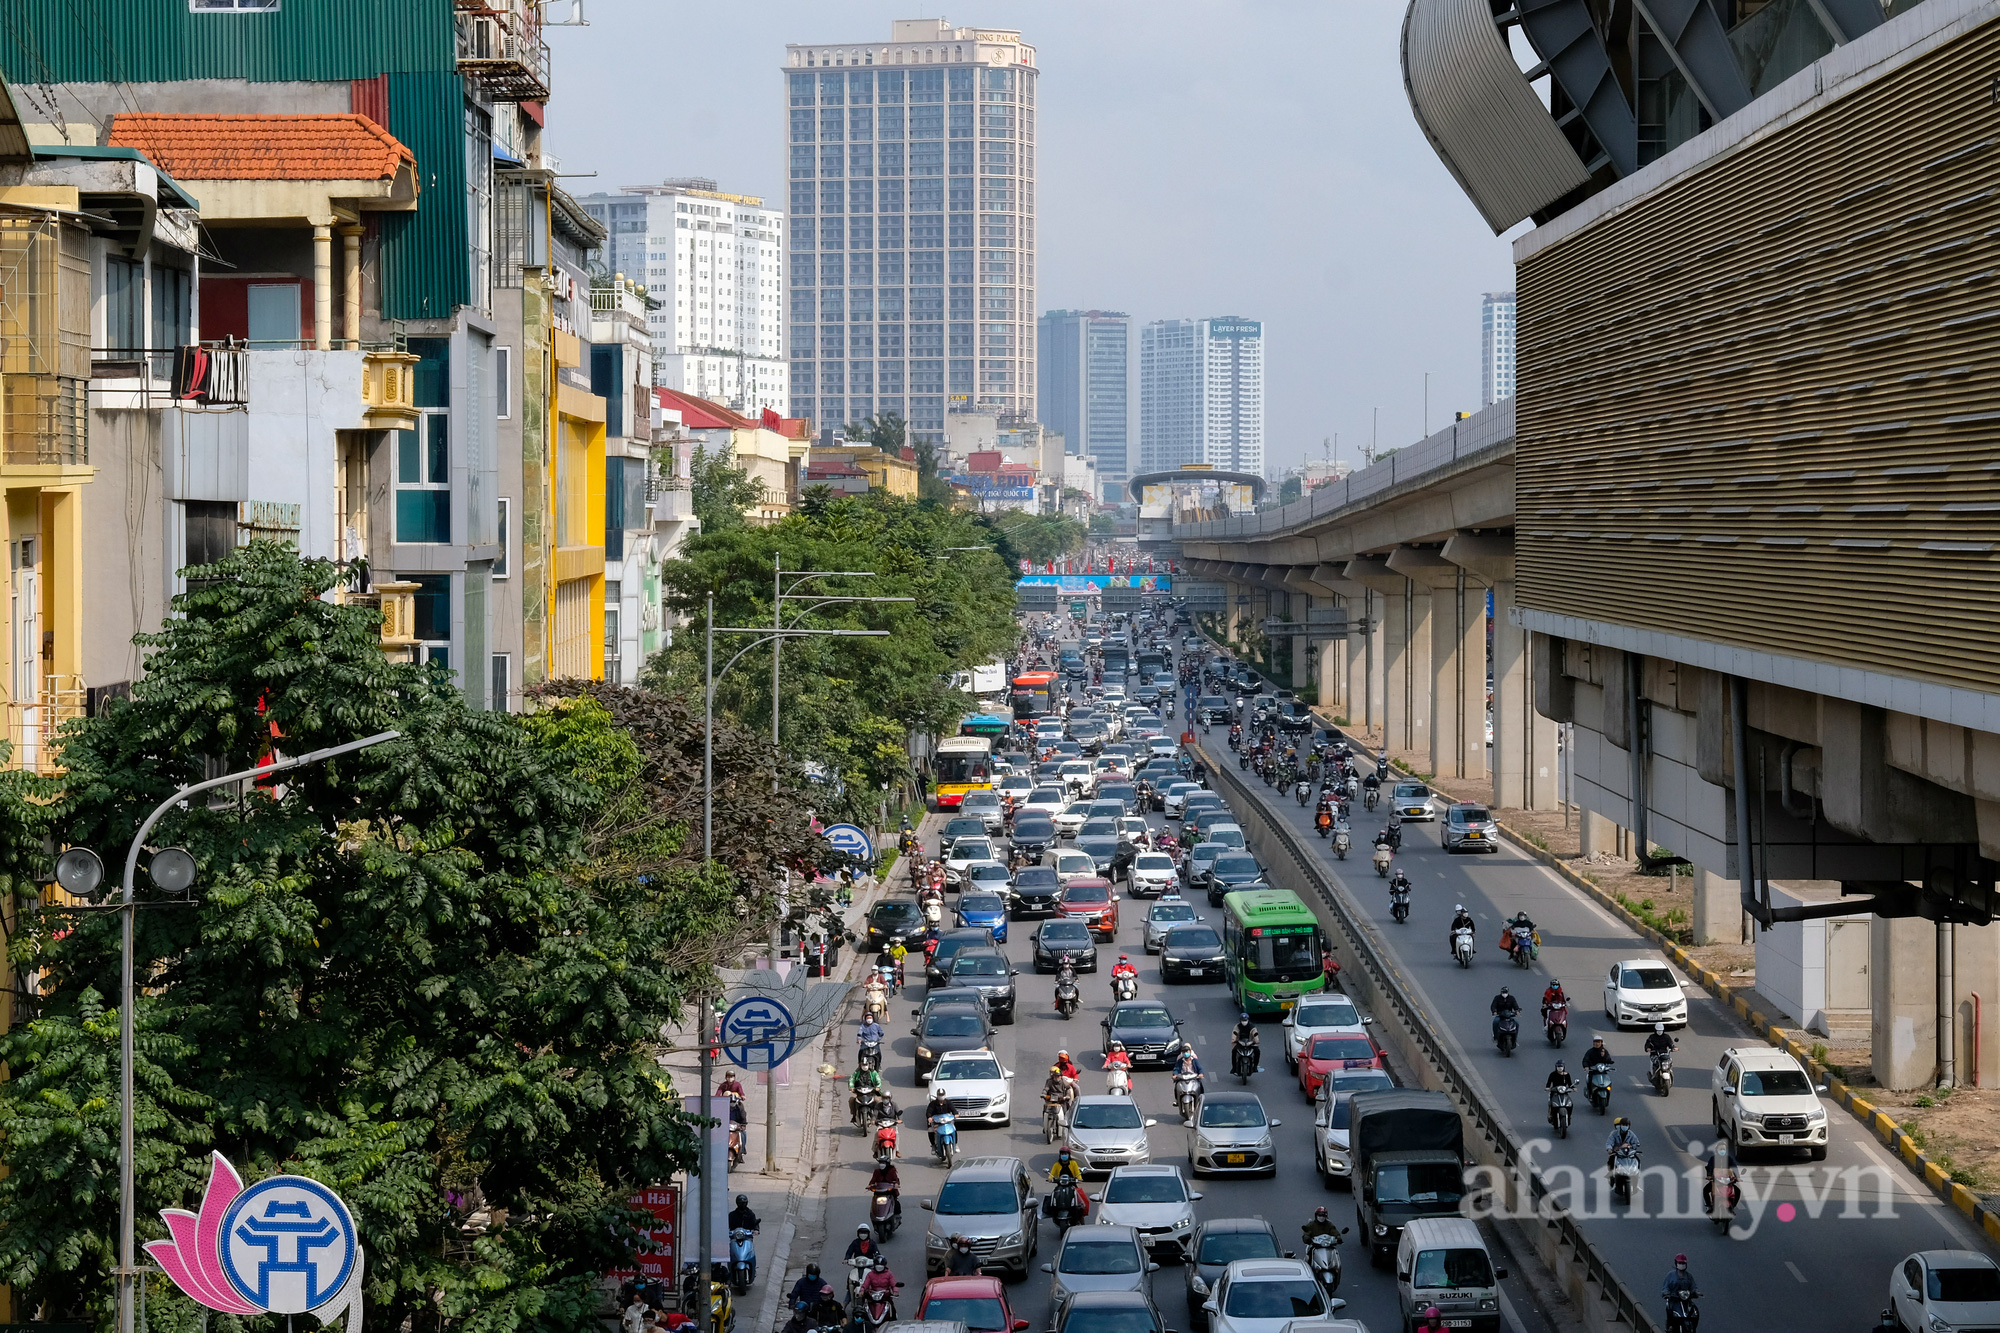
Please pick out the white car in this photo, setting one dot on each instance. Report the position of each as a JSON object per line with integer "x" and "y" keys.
{"x": 1077, "y": 775}
{"x": 1150, "y": 875}
{"x": 985, "y": 877}
{"x": 1015, "y": 788}
{"x": 1263, "y": 1296}
{"x": 964, "y": 852}
{"x": 1763, "y": 1098}
{"x": 1070, "y": 864}
{"x": 1176, "y": 796}
{"x": 1153, "y": 1200}
{"x": 1070, "y": 818}
{"x": 1133, "y": 830}
{"x": 1412, "y": 800}
{"x": 1644, "y": 990}
{"x": 1162, "y": 746}
{"x": 1331, "y": 1152}
{"x": 1941, "y": 1291}
{"x": 977, "y": 1085}
{"x": 1044, "y": 800}
{"x": 1328, "y": 1011}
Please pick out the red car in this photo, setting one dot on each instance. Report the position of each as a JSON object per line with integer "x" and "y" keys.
{"x": 1089, "y": 899}
{"x": 1331, "y": 1051}
{"x": 980, "y": 1303}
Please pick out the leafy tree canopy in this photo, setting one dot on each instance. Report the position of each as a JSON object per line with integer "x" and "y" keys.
{"x": 723, "y": 489}
{"x": 1039, "y": 537}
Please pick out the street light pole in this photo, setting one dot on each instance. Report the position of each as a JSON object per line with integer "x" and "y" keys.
{"x": 128, "y": 1272}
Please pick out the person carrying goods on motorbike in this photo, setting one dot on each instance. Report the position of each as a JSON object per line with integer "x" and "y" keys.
{"x": 1519, "y": 920}
{"x": 1504, "y": 1006}
{"x": 1461, "y": 920}
{"x": 1552, "y": 996}
{"x": 963, "y": 1262}
{"x": 880, "y": 1284}
{"x": 863, "y": 1246}
{"x": 884, "y": 1180}
{"x": 1658, "y": 1042}
{"x": 1060, "y": 1088}
{"x": 1621, "y": 1136}
{"x": 1321, "y": 1227}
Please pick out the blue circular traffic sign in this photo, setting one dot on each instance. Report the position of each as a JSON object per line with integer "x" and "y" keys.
{"x": 851, "y": 840}
{"x": 757, "y": 1033}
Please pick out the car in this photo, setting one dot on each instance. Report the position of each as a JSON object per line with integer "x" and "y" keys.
{"x": 1174, "y": 797}
{"x": 1077, "y": 774}
{"x": 1191, "y": 953}
{"x": 1014, "y": 789}
{"x": 1201, "y": 816}
{"x": 1152, "y": 875}
{"x": 1327, "y": 1011}
{"x": 1294, "y": 716}
{"x": 1072, "y": 817}
{"x": 1227, "y": 832}
{"x": 1122, "y": 791}
{"x": 1328, "y": 1051}
{"x": 1150, "y": 1032}
{"x": 978, "y": 1087}
{"x": 1098, "y": 826}
{"x": 1412, "y": 801}
{"x": 1162, "y": 746}
{"x": 1134, "y": 831}
{"x": 1032, "y": 836}
{"x": 1355, "y": 1080}
{"x": 985, "y": 877}
{"x": 1163, "y": 916}
{"x": 1064, "y": 936}
{"x": 1217, "y": 1243}
{"x": 1111, "y": 1312}
{"x": 1210, "y": 709}
{"x": 894, "y": 919}
{"x": 991, "y": 1202}
{"x": 1035, "y": 891}
{"x": 1091, "y": 901}
{"x": 1332, "y": 1154}
{"x": 1264, "y": 1296}
{"x": 1643, "y": 990}
{"x": 1154, "y": 1201}
{"x": 964, "y": 851}
{"x": 960, "y": 826}
{"x": 1102, "y": 849}
{"x": 1944, "y": 1290}
{"x": 1097, "y": 1259}
{"x": 950, "y": 999}
{"x": 1194, "y": 866}
{"x": 1229, "y": 1133}
{"x": 1108, "y": 1131}
{"x": 987, "y": 807}
{"x": 937, "y": 968}
{"x": 985, "y": 909}
{"x": 1230, "y": 873}
{"x": 1763, "y": 1098}
{"x": 1113, "y": 806}
{"x": 1201, "y": 798}
{"x": 976, "y": 1303}
{"x": 1146, "y": 692}
{"x": 949, "y": 1029}
{"x": 1046, "y": 799}
{"x": 986, "y": 970}
{"x": 1469, "y": 827}
{"x": 1071, "y": 864}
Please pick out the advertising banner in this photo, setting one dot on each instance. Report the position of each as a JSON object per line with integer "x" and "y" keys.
{"x": 1086, "y": 582}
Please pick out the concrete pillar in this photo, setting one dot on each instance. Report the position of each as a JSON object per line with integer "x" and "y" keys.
{"x": 1718, "y": 909}
{"x": 1902, "y": 1001}
{"x": 1978, "y": 974}
{"x": 1596, "y": 833}
{"x": 1455, "y": 674}
{"x": 323, "y": 285}
{"x": 350, "y": 286}
{"x": 1403, "y": 660}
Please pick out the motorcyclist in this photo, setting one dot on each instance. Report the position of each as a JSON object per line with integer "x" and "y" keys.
{"x": 863, "y": 1246}
{"x": 940, "y": 1105}
{"x": 729, "y": 1087}
{"x": 1596, "y": 1055}
{"x": 1124, "y": 968}
{"x": 1679, "y": 1282}
{"x": 963, "y": 1262}
{"x": 1244, "y": 1033}
{"x": 1190, "y": 1063}
{"x": 1560, "y": 1079}
{"x": 870, "y": 1033}
{"x": 1518, "y": 920}
{"x": 1059, "y": 1087}
{"x": 741, "y": 1218}
{"x": 1067, "y": 1066}
{"x": 1400, "y": 879}
{"x": 1320, "y": 1226}
{"x": 1117, "y": 1057}
{"x": 1373, "y": 782}
{"x": 1552, "y": 995}
{"x": 1658, "y": 1042}
{"x": 1621, "y": 1136}
{"x": 1460, "y": 920}
{"x": 881, "y": 1283}
{"x": 1065, "y": 1169}
{"x": 861, "y": 1083}
{"x": 884, "y": 1180}
{"x": 1504, "y": 1006}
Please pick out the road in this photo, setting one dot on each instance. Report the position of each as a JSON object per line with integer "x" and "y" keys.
{"x": 1811, "y": 1261}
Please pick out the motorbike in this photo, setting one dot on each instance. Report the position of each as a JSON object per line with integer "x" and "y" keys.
{"x": 1303, "y": 790}
{"x": 1065, "y": 1206}
{"x": 1383, "y": 856}
{"x": 1399, "y": 902}
{"x": 1624, "y": 1172}
{"x": 1371, "y": 797}
{"x": 1323, "y": 1256}
{"x": 878, "y": 1310}
{"x": 1722, "y": 1211}
{"x": 1662, "y": 1072}
{"x": 1125, "y": 987}
{"x": 1067, "y": 995}
{"x": 1323, "y": 821}
{"x": 1243, "y": 759}
{"x": 933, "y": 911}
{"x": 1523, "y": 945}
{"x": 875, "y": 994}
{"x": 742, "y": 1259}
{"x": 885, "y": 1141}
{"x": 1461, "y": 945}
{"x": 868, "y": 1055}
{"x": 1187, "y": 1087}
{"x": 882, "y": 1215}
{"x": 1561, "y": 1107}
{"x": 1353, "y": 786}
{"x": 1506, "y": 1033}
{"x": 736, "y": 1145}
{"x": 1597, "y": 1086}
{"x": 1055, "y": 1120}
{"x": 1243, "y": 1059}
{"x": 1682, "y": 1315}
{"x": 944, "y": 1140}
{"x": 1343, "y": 843}
{"x": 1118, "y": 1081}
{"x": 1555, "y": 1022}
{"x": 721, "y": 1312}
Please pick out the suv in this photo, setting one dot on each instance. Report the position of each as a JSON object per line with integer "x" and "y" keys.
{"x": 1294, "y": 716}
{"x": 1060, "y": 937}
{"x": 1764, "y": 1099}
{"x": 938, "y": 966}
{"x": 1412, "y": 800}
{"x": 1470, "y": 828}
{"x": 985, "y": 806}
{"x": 1092, "y": 902}
{"x": 1213, "y": 708}
{"x": 986, "y": 970}
{"x": 990, "y": 1202}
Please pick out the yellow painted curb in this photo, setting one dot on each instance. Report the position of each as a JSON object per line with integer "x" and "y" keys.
{"x": 1963, "y": 1199}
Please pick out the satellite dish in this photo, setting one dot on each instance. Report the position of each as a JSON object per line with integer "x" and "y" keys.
{"x": 172, "y": 869}
{"x": 79, "y": 872}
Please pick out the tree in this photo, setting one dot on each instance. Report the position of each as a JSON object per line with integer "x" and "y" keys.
{"x": 413, "y": 972}
{"x": 723, "y": 489}
{"x": 932, "y": 488}
{"x": 1103, "y": 525}
{"x": 1293, "y": 488}
{"x": 1039, "y": 538}
{"x": 887, "y": 431}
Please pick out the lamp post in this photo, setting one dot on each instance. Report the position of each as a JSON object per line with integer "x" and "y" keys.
{"x": 79, "y": 870}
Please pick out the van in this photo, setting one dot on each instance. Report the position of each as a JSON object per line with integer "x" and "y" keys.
{"x": 1442, "y": 1261}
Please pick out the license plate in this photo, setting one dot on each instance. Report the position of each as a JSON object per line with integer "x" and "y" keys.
{"x": 1234, "y": 1158}
{"x": 1196, "y": 972}
{"x": 1784, "y": 1138}
{"x": 1458, "y": 1323}
{"x": 1473, "y": 837}
{"x": 1287, "y": 1003}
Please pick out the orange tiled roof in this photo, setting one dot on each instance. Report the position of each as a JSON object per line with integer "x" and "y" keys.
{"x": 238, "y": 148}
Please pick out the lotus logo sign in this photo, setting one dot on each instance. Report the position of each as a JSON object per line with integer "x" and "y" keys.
{"x": 286, "y": 1245}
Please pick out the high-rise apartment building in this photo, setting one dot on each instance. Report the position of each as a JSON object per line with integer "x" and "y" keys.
{"x": 1082, "y": 389}
{"x": 1201, "y": 394}
{"x": 912, "y": 220}
{"x": 1496, "y": 347}
{"x": 712, "y": 263}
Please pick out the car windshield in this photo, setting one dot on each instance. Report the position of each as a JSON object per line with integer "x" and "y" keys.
{"x": 1153, "y": 861}
{"x": 1341, "y": 1113}
{"x": 1028, "y": 830}
{"x": 1065, "y": 932}
{"x": 1236, "y": 865}
{"x": 962, "y": 825}
{"x": 891, "y": 913}
{"x": 1419, "y": 1182}
{"x": 980, "y": 800}
{"x": 978, "y": 1067}
{"x": 1340, "y": 1048}
{"x": 1283, "y": 953}
{"x": 1088, "y": 893}
{"x": 1097, "y": 828}
{"x": 1775, "y": 1083}
{"x": 1116, "y": 1319}
{"x": 1119, "y": 1114}
{"x": 1326, "y": 1014}
{"x": 983, "y": 1315}
{"x": 949, "y": 1024}
{"x": 1289, "y": 1298}
{"x": 979, "y": 904}
{"x": 977, "y": 1198}
{"x": 1213, "y": 701}
{"x": 1207, "y": 851}
{"x": 1471, "y": 814}
{"x": 1141, "y": 1016}
{"x": 1647, "y": 978}
{"x": 993, "y": 872}
{"x": 987, "y": 966}
{"x": 972, "y": 849}
{"x": 1231, "y": 837}
{"x": 1452, "y": 1268}
{"x": 1193, "y": 937}
{"x": 1360, "y": 1080}
{"x": 1226, "y": 1247}
{"x": 1046, "y": 796}
{"x": 1232, "y": 1114}
{"x": 1163, "y": 1188}
{"x": 948, "y": 946}
{"x": 1963, "y": 1284}
{"x": 1167, "y": 911}
{"x": 1096, "y": 1258}
{"x": 1035, "y": 877}
{"x": 1411, "y": 790}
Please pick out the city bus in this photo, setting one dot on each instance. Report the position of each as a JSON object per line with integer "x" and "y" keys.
{"x": 1033, "y": 691}
{"x": 964, "y": 764}
{"x": 983, "y": 724}
{"x": 1270, "y": 950}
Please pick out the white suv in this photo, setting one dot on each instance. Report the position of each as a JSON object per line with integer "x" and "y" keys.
{"x": 1764, "y": 1099}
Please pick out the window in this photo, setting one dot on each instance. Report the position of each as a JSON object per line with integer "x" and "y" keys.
{"x": 423, "y": 455}
{"x": 506, "y": 539}
{"x": 124, "y": 305}
{"x": 503, "y": 384}
{"x": 503, "y": 679}
{"x": 433, "y": 616}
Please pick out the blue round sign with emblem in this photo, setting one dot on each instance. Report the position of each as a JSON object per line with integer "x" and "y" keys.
{"x": 288, "y": 1244}
{"x": 757, "y": 1033}
{"x": 851, "y": 840}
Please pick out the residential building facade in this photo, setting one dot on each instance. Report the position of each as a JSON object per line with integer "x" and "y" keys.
{"x": 1201, "y": 394}
{"x": 1496, "y": 347}
{"x": 911, "y": 217}
{"x": 1083, "y": 386}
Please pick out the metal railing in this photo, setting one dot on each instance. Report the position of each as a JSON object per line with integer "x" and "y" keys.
{"x": 30, "y": 728}
{"x": 500, "y": 49}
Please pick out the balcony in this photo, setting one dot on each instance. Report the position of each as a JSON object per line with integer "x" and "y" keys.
{"x": 502, "y": 50}
{"x": 388, "y": 388}
{"x": 30, "y": 728}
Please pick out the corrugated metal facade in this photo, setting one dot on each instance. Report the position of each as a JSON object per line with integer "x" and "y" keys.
{"x": 425, "y": 269}
{"x": 1757, "y": 407}
{"x": 161, "y": 41}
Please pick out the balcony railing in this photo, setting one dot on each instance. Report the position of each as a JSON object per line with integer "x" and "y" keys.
{"x": 502, "y": 51}
{"x": 30, "y": 728}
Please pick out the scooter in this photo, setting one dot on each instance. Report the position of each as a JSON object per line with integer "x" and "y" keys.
{"x": 1371, "y": 797}
{"x": 742, "y": 1259}
{"x": 868, "y": 1055}
{"x": 1118, "y": 1081}
{"x": 1662, "y": 1073}
{"x": 1555, "y": 1022}
{"x": 1303, "y": 792}
{"x": 1055, "y": 1120}
{"x": 736, "y": 1148}
{"x": 878, "y": 1310}
{"x": 1523, "y": 950}
{"x": 1461, "y": 945}
{"x": 885, "y": 1141}
{"x": 1187, "y": 1087}
{"x": 1323, "y": 821}
{"x": 1343, "y": 843}
{"x": 882, "y": 1215}
{"x": 1624, "y": 1172}
{"x": 1125, "y": 987}
{"x": 1722, "y": 1212}
{"x": 1399, "y": 902}
{"x": 1597, "y": 1086}
{"x": 1324, "y": 1258}
{"x": 944, "y": 1139}
{"x": 1353, "y": 786}
{"x": 1065, "y": 1206}
{"x": 933, "y": 911}
{"x": 1383, "y": 856}
{"x": 1561, "y": 1108}
{"x": 1682, "y": 1314}
{"x": 1243, "y": 1059}
{"x": 1067, "y": 996}
{"x": 1506, "y": 1033}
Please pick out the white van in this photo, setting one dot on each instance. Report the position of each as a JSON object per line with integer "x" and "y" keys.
{"x": 1442, "y": 1261}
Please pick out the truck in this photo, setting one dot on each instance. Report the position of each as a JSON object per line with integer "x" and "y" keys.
{"x": 989, "y": 680}
{"x": 1408, "y": 1148}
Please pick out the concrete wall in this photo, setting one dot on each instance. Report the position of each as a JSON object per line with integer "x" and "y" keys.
{"x": 126, "y": 575}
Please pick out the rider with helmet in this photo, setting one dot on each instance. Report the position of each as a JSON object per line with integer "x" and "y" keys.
{"x": 1504, "y": 1006}
{"x": 1320, "y": 1226}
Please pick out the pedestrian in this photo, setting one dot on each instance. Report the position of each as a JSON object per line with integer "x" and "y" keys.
{"x": 636, "y": 1315}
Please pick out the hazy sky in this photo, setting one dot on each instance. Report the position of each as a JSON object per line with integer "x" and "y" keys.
{"x": 1215, "y": 158}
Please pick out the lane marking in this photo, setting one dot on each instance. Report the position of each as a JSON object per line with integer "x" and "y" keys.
{"x": 1507, "y": 1313}
{"x": 1795, "y": 1270}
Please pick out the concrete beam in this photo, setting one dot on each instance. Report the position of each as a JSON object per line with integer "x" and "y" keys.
{"x": 1488, "y": 556}
{"x": 1424, "y": 565}
{"x": 1373, "y": 572}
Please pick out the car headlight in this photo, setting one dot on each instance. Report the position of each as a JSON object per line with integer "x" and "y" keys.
{"x": 1381, "y": 1230}
{"x": 1011, "y": 1238}
{"x": 1489, "y": 1304}
{"x": 1182, "y": 1224}
{"x": 937, "y": 1242}
{"x": 923, "y": 1052}
{"x": 1749, "y": 1117}
{"x": 1937, "y": 1325}
{"x": 1200, "y": 1287}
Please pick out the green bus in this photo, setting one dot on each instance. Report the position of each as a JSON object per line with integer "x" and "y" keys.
{"x": 1271, "y": 950}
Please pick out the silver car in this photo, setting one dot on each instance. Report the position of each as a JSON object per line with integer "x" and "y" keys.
{"x": 987, "y": 807}
{"x": 1162, "y": 917}
{"x": 1152, "y": 1200}
{"x": 1175, "y": 800}
{"x": 991, "y": 1202}
{"x": 1230, "y": 1134}
{"x": 1097, "y": 1259}
{"x": 1470, "y": 828}
{"x": 1107, "y": 1132}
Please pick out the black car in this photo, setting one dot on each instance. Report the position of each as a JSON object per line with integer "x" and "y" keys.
{"x": 1216, "y": 1244}
{"x": 1294, "y": 716}
{"x": 948, "y": 945}
{"x": 957, "y": 827}
{"x": 1229, "y": 872}
{"x": 1125, "y": 793}
{"x": 1152, "y": 1035}
{"x": 952, "y": 1028}
{"x": 986, "y": 970}
{"x": 1062, "y": 936}
{"x": 895, "y": 919}
{"x": 1102, "y": 849}
{"x": 1111, "y": 1312}
{"x": 1191, "y": 953}
{"x": 1033, "y": 834}
{"x": 1037, "y": 892}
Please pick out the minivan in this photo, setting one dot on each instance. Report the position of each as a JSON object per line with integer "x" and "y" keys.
{"x": 1442, "y": 1261}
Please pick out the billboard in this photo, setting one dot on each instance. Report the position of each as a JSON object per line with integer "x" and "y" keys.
{"x": 1086, "y": 582}
{"x": 1036, "y": 596}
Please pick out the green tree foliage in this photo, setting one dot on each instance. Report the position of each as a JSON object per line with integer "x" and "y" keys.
{"x": 1293, "y": 488}
{"x": 1039, "y": 537}
{"x": 723, "y": 489}
{"x": 432, "y": 974}
{"x": 885, "y": 430}
{"x": 1102, "y": 525}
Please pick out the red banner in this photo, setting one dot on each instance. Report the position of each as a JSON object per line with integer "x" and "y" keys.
{"x": 655, "y": 1256}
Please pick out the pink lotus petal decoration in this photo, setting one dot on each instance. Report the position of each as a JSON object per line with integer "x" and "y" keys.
{"x": 191, "y": 1257}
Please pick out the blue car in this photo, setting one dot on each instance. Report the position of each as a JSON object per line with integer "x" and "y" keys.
{"x": 984, "y": 909}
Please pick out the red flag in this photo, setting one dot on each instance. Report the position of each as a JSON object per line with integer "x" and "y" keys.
{"x": 772, "y": 421}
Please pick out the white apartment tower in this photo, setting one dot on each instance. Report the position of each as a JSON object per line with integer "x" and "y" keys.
{"x": 1496, "y": 347}
{"x": 1201, "y": 394}
{"x": 712, "y": 262}
{"x": 911, "y": 286}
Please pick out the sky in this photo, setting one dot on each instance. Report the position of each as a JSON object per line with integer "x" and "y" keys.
{"x": 1220, "y": 157}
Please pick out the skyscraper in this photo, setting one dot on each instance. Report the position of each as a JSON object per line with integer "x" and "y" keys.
{"x": 1201, "y": 394}
{"x": 912, "y": 218}
{"x": 1083, "y": 360}
{"x": 712, "y": 261}
{"x": 1496, "y": 347}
